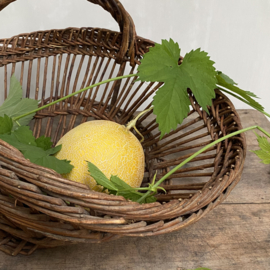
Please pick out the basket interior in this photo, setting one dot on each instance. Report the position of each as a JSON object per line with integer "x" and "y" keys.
{"x": 65, "y": 69}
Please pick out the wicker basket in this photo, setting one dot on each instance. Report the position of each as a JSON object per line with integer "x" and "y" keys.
{"x": 34, "y": 212}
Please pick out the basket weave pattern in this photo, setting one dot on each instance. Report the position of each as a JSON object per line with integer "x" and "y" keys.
{"x": 39, "y": 208}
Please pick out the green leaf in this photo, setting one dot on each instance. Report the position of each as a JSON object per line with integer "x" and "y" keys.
{"x": 6, "y": 124}
{"x": 264, "y": 152}
{"x": 171, "y": 106}
{"x": 15, "y": 105}
{"x": 24, "y": 106}
{"x": 200, "y": 73}
{"x": 264, "y": 156}
{"x": 150, "y": 199}
{"x": 226, "y": 78}
{"x": 171, "y": 102}
{"x": 54, "y": 150}
{"x": 14, "y": 95}
{"x": 12, "y": 140}
{"x": 40, "y": 157}
{"x": 129, "y": 195}
{"x": 157, "y": 64}
{"x": 100, "y": 177}
{"x": 116, "y": 185}
{"x": 251, "y": 94}
{"x": 24, "y": 135}
{"x": 119, "y": 183}
{"x": 44, "y": 143}
{"x": 135, "y": 196}
{"x": 129, "y": 192}
{"x": 23, "y": 139}
{"x": 244, "y": 96}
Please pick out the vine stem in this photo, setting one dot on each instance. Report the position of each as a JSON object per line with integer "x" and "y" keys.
{"x": 199, "y": 152}
{"x": 73, "y": 94}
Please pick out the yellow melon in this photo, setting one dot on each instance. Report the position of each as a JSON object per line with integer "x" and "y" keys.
{"x": 109, "y": 146}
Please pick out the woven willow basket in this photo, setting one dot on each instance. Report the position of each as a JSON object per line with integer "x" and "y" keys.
{"x": 34, "y": 212}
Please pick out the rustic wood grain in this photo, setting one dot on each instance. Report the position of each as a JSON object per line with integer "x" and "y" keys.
{"x": 234, "y": 236}
{"x": 254, "y": 186}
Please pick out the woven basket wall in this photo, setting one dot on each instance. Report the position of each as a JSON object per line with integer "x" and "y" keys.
{"x": 34, "y": 212}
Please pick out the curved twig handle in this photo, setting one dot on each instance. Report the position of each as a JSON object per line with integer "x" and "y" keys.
{"x": 125, "y": 22}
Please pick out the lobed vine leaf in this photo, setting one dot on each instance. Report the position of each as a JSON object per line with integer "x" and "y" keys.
{"x": 43, "y": 158}
{"x": 119, "y": 183}
{"x": 14, "y": 95}
{"x": 171, "y": 102}
{"x": 100, "y": 177}
{"x": 6, "y": 124}
{"x": 264, "y": 152}
{"x": 44, "y": 143}
{"x": 34, "y": 149}
{"x": 53, "y": 150}
{"x": 116, "y": 185}
{"x": 231, "y": 88}
{"x": 159, "y": 62}
{"x": 24, "y": 135}
{"x": 171, "y": 106}
{"x": 15, "y": 105}
{"x": 226, "y": 78}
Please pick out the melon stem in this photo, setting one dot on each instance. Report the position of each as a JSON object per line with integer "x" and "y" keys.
{"x": 132, "y": 123}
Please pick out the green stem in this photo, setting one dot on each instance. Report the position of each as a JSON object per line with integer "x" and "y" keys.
{"x": 145, "y": 188}
{"x": 132, "y": 123}
{"x": 199, "y": 152}
{"x": 75, "y": 93}
{"x": 18, "y": 123}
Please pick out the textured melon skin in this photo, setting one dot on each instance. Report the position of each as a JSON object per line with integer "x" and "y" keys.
{"x": 109, "y": 146}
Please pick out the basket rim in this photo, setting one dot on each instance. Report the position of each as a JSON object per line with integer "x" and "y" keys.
{"x": 43, "y": 43}
{"x": 84, "y": 191}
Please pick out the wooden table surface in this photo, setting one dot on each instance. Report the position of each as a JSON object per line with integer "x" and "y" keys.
{"x": 234, "y": 236}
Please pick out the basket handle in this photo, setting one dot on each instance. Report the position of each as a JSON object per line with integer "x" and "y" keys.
{"x": 125, "y": 22}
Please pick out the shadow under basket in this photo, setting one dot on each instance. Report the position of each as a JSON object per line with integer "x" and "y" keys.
{"x": 41, "y": 209}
